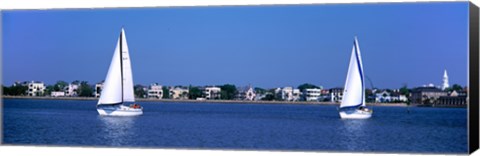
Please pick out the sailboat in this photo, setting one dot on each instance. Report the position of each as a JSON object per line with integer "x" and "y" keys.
{"x": 118, "y": 86}
{"x": 353, "y": 102}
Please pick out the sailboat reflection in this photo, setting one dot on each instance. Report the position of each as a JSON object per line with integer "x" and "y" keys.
{"x": 117, "y": 130}
{"x": 354, "y": 134}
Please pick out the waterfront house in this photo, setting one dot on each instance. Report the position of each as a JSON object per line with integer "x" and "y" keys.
{"x": 178, "y": 93}
{"x": 336, "y": 94}
{"x": 290, "y": 94}
{"x": 426, "y": 95}
{"x": 324, "y": 95}
{"x": 398, "y": 97}
{"x": 383, "y": 96}
{"x": 296, "y": 95}
{"x": 35, "y": 88}
{"x": 98, "y": 89}
{"x": 155, "y": 91}
{"x": 246, "y": 93}
{"x": 212, "y": 92}
{"x": 311, "y": 94}
{"x": 71, "y": 89}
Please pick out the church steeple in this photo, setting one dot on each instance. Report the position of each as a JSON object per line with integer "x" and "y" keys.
{"x": 445, "y": 80}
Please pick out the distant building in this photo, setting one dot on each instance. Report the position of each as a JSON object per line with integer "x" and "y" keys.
{"x": 389, "y": 96}
{"x": 445, "y": 84}
{"x": 71, "y": 89}
{"x": 296, "y": 95}
{"x": 178, "y": 93}
{"x": 212, "y": 92}
{"x": 290, "y": 94}
{"x": 324, "y": 95}
{"x": 98, "y": 89}
{"x": 454, "y": 99}
{"x": 277, "y": 94}
{"x": 35, "y": 88}
{"x": 57, "y": 94}
{"x": 336, "y": 94}
{"x": 246, "y": 93}
{"x": 397, "y": 97}
{"x": 383, "y": 96}
{"x": 311, "y": 94}
{"x": 155, "y": 91}
{"x": 426, "y": 95}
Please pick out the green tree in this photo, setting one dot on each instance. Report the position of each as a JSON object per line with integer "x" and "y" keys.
{"x": 228, "y": 91}
{"x": 5, "y": 90}
{"x": 304, "y": 86}
{"x": 49, "y": 89}
{"x": 457, "y": 87}
{"x": 76, "y": 82}
{"x": 166, "y": 92}
{"x": 139, "y": 92}
{"x": 60, "y": 85}
{"x": 405, "y": 91}
{"x": 259, "y": 90}
{"x": 269, "y": 97}
{"x": 15, "y": 90}
{"x": 85, "y": 90}
{"x": 370, "y": 97}
{"x": 195, "y": 92}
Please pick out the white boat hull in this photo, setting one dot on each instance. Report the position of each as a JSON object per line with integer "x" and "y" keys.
{"x": 356, "y": 114}
{"x": 119, "y": 111}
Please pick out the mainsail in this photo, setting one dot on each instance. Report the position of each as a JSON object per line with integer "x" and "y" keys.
{"x": 118, "y": 85}
{"x": 354, "y": 94}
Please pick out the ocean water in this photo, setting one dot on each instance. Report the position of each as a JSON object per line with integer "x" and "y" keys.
{"x": 280, "y": 127}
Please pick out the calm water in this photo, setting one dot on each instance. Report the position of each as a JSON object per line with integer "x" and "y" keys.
{"x": 236, "y": 126}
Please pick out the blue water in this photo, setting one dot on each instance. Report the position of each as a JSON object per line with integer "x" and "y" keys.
{"x": 236, "y": 126}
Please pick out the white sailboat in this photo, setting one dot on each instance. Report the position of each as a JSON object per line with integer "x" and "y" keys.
{"x": 118, "y": 85}
{"x": 353, "y": 102}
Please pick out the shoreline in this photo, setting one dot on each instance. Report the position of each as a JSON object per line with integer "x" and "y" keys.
{"x": 205, "y": 101}
{"x": 229, "y": 101}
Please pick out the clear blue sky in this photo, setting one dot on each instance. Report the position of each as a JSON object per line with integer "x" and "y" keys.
{"x": 265, "y": 46}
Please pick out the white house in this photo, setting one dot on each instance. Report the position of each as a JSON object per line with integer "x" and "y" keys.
{"x": 312, "y": 94}
{"x": 290, "y": 94}
{"x": 57, "y": 94}
{"x": 212, "y": 92}
{"x": 98, "y": 89}
{"x": 155, "y": 91}
{"x": 178, "y": 93}
{"x": 296, "y": 95}
{"x": 383, "y": 96}
{"x": 35, "y": 88}
{"x": 336, "y": 94}
{"x": 71, "y": 89}
{"x": 397, "y": 97}
{"x": 394, "y": 96}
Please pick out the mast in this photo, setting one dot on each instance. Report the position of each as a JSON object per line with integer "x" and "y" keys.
{"x": 121, "y": 61}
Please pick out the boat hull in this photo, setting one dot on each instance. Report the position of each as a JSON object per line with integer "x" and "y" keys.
{"x": 119, "y": 111}
{"x": 356, "y": 114}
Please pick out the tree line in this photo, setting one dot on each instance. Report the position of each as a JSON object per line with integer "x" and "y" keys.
{"x": 228, "y": 91}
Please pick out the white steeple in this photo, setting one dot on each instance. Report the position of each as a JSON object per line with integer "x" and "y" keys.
{"x": 445, "y": 81}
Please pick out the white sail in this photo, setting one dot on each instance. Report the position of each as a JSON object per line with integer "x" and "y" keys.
{"x": 112, "y": 87}
{"x": 114, "y": 90}
{"x": 354, "y": 94}
{"x": 128, "y": 95}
